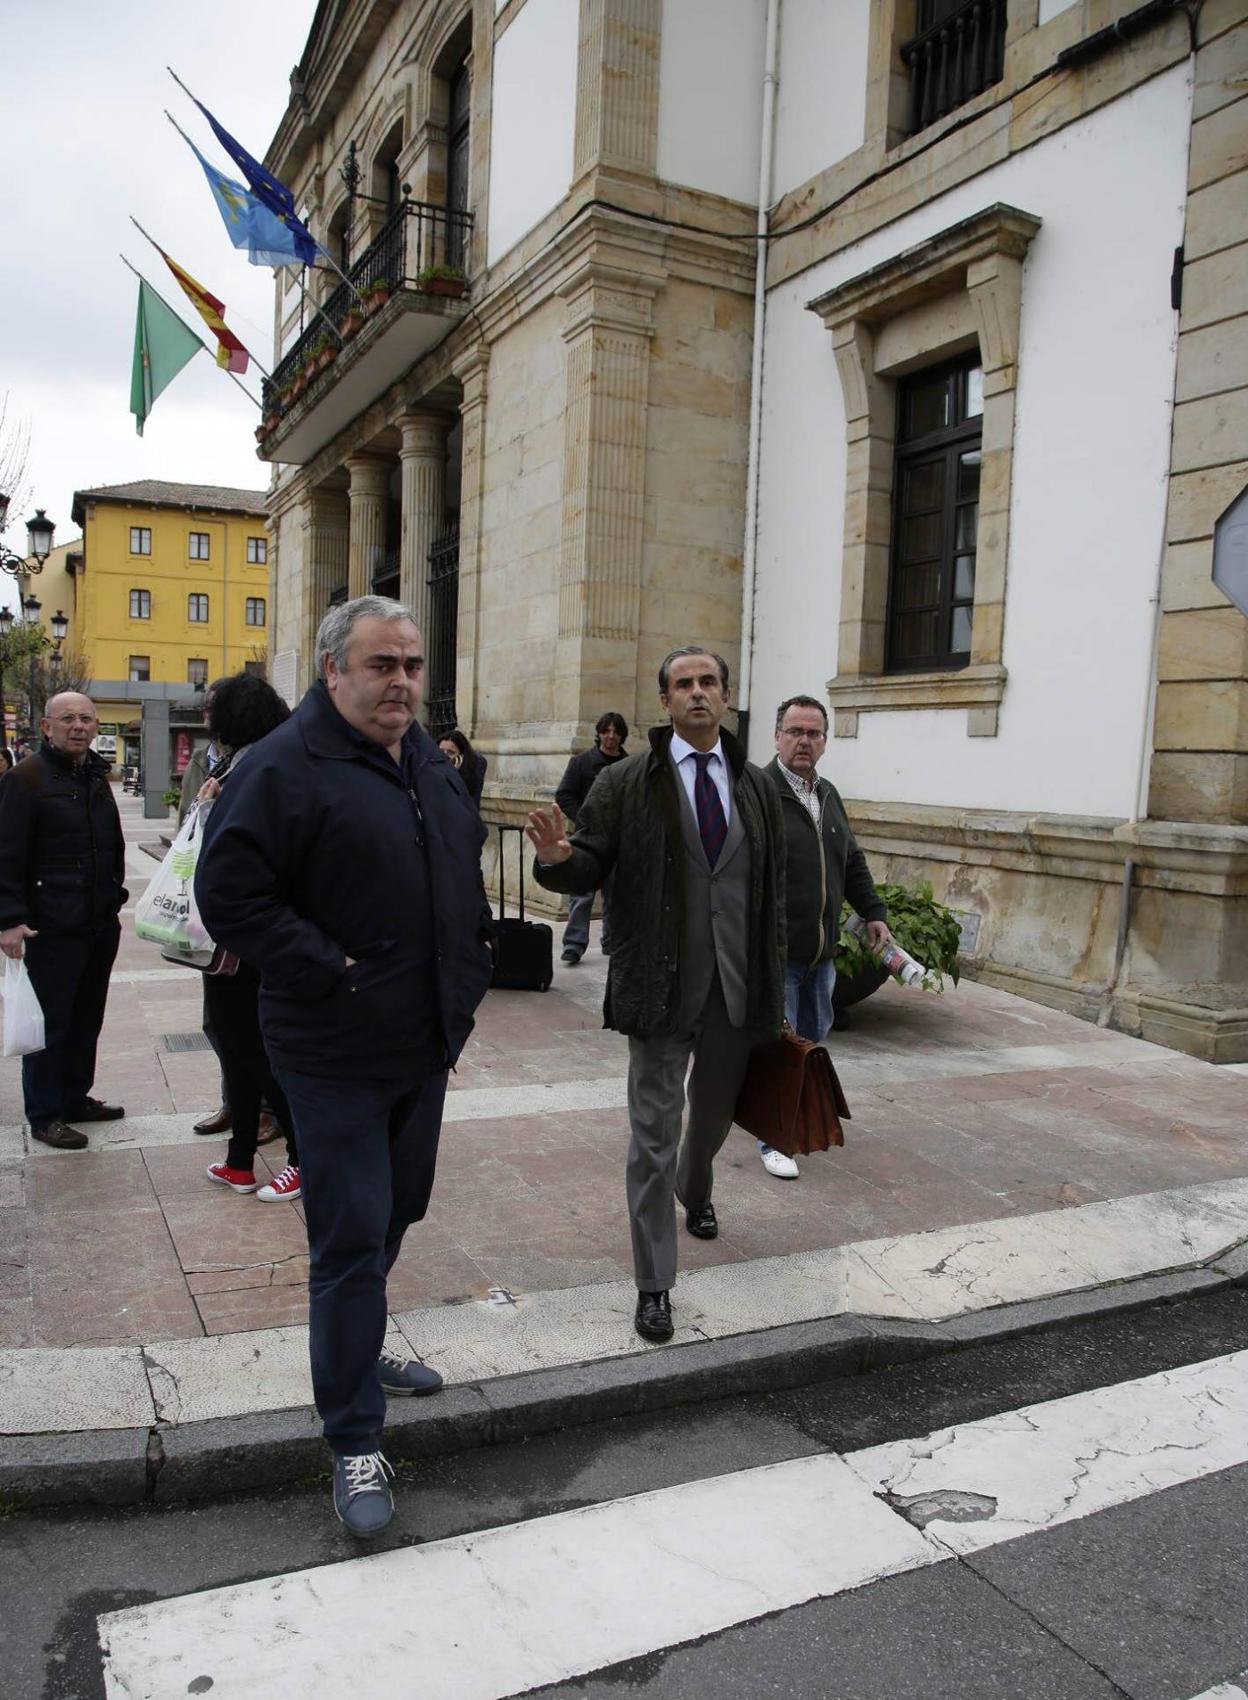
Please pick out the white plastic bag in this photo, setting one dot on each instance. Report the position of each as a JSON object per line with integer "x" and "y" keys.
{"x": 23, "y": 1018}
{"x": 167, "y": 913}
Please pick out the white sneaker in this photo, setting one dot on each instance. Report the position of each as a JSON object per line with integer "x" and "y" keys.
{"x": 777, "y": 1164}
{"x": 284, "y": 1185}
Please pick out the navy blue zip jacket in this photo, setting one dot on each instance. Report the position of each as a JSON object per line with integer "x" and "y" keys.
{"x": 322, "y": 847}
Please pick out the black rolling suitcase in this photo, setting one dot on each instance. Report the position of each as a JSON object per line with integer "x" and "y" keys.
{"x": 524, "y": 951}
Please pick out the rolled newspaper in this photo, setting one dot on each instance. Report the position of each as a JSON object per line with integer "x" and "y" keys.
{"x": 899, "y": 963}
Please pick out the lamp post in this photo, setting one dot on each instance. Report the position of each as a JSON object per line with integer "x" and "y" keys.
{"x": 39, "y": 534}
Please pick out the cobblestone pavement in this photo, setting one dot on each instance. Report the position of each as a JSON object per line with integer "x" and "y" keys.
{"x": 966, "y": 1107}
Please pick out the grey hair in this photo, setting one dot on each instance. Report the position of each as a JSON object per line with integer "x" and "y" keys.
{"x": 334, "y": 632}
{"x": 665, "y": 669}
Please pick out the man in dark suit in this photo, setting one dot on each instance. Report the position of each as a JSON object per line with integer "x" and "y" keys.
{"x": 343, "y": 862}
{"x": 823, "y": 867}
{"x": 692, "y": 837}
{"x": 62, "y": 863}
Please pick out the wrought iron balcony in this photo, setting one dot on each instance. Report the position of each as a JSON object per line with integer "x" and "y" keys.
{"x": 413, "y": 285}
{"x": 958, "y": 52}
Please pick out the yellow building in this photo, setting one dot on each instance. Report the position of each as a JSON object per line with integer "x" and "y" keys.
{"x": 171, "y": 590}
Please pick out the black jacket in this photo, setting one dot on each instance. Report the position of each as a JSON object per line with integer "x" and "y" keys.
{"x": 319, "y": 848}
{"x": 62, "y": 854}
{"x": 578, "y": 776}
{"x": 823, "y": 867}
{"x": 629, "y": 826}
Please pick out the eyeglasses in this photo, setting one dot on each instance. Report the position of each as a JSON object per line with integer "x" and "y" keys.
{"x": 802, "y": 732}
{"x": 74, "y": 720}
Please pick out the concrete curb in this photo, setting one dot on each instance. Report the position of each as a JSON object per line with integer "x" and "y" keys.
{"x": 204, "y": 1460}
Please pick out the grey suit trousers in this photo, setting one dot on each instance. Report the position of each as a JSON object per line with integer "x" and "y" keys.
{"x": 662, "y": 1167}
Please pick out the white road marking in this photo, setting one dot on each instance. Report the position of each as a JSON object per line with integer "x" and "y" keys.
{"x": 985, "y": 1482}
{"x": 492, "y": 1614}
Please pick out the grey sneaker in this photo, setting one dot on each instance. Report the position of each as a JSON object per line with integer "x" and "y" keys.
{"x": 362, "y": 1496}
{"x": 403, "y": 1375}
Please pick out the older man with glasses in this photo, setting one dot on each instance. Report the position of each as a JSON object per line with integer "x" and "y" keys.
{"x": 824, "y": 866}
{"x": 62, "y": 862}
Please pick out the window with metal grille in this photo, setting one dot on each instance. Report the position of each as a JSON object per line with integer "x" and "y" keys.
{"x": 255, "y": 611}
{"x": 197, "y": 671}
{"x": 257, "y": 551}
{"x": 140, "y": 604}
{"x": 958, "y": 50}
{"x": 140, "y": 669}
{"x": 140, "y": 539}
{"x": 199, "y": 545}
{"x": 197, "y": 608}
{"x": 935, "y": 517}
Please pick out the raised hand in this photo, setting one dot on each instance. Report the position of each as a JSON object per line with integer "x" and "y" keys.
{"x": 548, "y": 834}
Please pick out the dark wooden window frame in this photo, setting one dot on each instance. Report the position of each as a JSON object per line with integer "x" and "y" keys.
{"x": 193, "y": 615}
{"x": 140, "y": 604}
{"x": 199, "y": 545}
{"x": 144, "y": 535}
{"x": 255, "y": 612}
{"x": 197, "y": 670}
{"x": 135, "y": 676}
{"x": 257, "y": 551}
{"x": 946, "y": 444}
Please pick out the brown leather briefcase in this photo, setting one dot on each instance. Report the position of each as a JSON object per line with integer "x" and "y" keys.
{"x": 791, "y": 1098}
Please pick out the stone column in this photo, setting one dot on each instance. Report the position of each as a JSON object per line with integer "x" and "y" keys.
{"x": 471, "y": 369}
{"x": 608, "y": 331}
{"x": 422, "y": 462}
{"x": 370, "y": 485}
{"x": 326, "y": 528}
{"x": 617, "y": 109}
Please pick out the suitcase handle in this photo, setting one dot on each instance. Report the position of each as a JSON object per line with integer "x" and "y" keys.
{"x": 502, "y": 905}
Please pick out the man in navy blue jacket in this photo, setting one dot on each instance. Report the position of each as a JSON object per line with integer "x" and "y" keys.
{"x": 344, "y": 863}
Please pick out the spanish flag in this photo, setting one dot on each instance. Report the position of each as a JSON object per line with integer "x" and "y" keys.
{"x": 230, "y": 352}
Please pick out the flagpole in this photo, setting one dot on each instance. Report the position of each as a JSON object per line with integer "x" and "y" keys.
{"x": 233, "y": 376}
{"x": 134, "y": 221}
{"x": 325, "y": 251}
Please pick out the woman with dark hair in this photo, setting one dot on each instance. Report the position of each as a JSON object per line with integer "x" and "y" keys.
{"x": 610, "y": 731}
{"x": 244, "y": 710}
{"x": 460, "y": 753}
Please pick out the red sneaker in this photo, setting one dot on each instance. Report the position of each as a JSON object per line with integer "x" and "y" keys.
{"x": 238, "y": 1180}
{"x": 285, "y": 1185}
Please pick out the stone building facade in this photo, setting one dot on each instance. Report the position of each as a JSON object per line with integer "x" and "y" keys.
{"x": 616, "y": 431}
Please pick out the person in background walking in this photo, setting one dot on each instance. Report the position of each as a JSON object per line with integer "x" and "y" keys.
{"x": 245, "y": 710}
{"x": 580, "y": 773}
{"x": 62, "y": 863}
{"x": 692, "y": 835}
{"x": 344, "y": 860}
{"x": 460, "y": 753}
{"x": 823, "y": 867}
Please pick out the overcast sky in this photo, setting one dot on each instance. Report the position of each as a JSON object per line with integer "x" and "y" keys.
{"x": 88, "y": 144}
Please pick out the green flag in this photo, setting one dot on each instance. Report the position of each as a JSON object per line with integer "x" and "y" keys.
{"x": 162, "y": 347}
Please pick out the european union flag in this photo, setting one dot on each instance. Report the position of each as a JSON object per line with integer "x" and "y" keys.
{"x": 268, "y": 239}
{"x": 264, "y": 186}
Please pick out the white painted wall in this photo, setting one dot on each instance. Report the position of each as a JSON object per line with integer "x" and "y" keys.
{"x": 1050, "y": 9}
{"x": 1096, "y": 379}
{"x": 711, "y": 95}
{"x": 821, "y": 97}
{"x": 532, "y": 121}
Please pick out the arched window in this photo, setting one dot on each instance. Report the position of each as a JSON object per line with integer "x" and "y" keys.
{"x": 386, "y": 187}
{"x": 457, "y": 153}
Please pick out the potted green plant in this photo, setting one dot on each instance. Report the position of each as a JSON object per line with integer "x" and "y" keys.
{"x": 352, "y": 319}
{"x": 442, "y": 280}
{"x": 377, "y": 294}
{"x": 925, "y": 928}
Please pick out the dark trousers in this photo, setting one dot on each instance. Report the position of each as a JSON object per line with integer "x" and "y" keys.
{"x": 232, "y": 1002}
{"x": 69, "y": 972}
{"x": 210, "y": 1033}
{"x": 367, "y": 1152}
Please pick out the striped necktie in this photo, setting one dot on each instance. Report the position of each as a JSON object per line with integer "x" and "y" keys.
{"x": 711, "y": 823}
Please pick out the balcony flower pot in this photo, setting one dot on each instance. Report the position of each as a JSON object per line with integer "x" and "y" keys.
{"x": 351, "y": 324}
{"x": 376, "y": 299}
{"x": 442, "y": 280}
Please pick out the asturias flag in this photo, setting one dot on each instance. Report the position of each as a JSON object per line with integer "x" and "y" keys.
{"x": 162, "y": 347}
{"x": 268, "y": 239}
{"x": 230, "y": 352}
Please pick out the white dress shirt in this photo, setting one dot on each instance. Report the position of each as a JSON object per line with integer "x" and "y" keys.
{"x": 717, "y": 767}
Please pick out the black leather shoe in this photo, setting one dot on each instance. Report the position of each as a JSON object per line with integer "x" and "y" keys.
{"x": 220, "y": 1123}
{"x": 702, "y": 1223}
{"x": 58, "y": 1136}
{"x": 92, "y": 1110}
{"x": 653, "y": 1320}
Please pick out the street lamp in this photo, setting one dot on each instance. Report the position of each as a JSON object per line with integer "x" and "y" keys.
{"x": 39, "y": 533}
